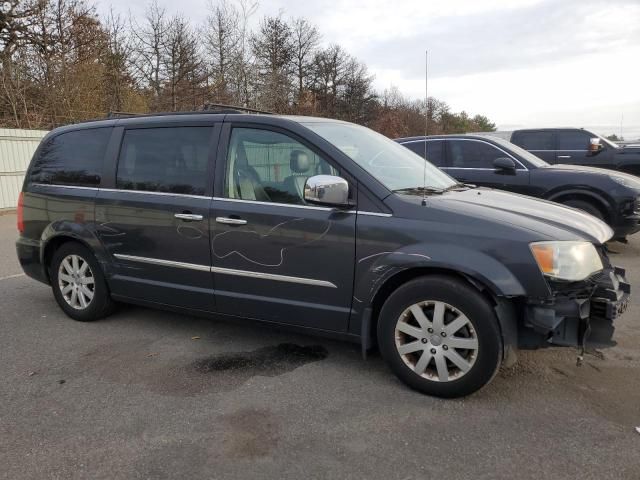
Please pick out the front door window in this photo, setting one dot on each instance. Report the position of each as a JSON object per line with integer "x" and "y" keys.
{"x": 270, "y": 167}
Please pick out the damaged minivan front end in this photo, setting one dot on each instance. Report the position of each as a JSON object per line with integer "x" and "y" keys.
{"x": 580, "y": 311}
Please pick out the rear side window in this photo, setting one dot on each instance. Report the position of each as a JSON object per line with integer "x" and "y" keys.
{"x": 472, "y": 154}
{"x": 72, "y": 158}
{"x": 168, "y": 159}
{"x": 573, "y": 140}
{"x": 534, "y": 140}
{"x": 435, "y": 151}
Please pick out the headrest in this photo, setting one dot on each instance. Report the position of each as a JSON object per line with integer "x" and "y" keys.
{"x": 299, "y": 162}
{"x": 241, "y": 157}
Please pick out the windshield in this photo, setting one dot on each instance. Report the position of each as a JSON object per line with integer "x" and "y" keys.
{"x": 393, "y": 165}
{"x": 528, "y": 156}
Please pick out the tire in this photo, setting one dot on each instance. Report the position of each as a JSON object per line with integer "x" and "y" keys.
{"x": 585, "y": 206}
{"x": 475, "y": 331}
{"x": 86, "y": 282}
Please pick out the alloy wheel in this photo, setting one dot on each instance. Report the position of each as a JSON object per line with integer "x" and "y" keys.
{"x": 436, "y": 340}
{"x": 76, "y": 281}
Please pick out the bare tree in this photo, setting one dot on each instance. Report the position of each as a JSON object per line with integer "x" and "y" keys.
{"x": 119, "y": 83}
{"x": 148, "y": 52}
{"x": 182, "y": 62}
{"x": 243, "y": 68}
{"x": 305, "y": 40}
{"x": 328, "y": 70}
{"x": 223, "y": 37}
{"x": 356, "y": 97}
{"x": 272, "y": 47}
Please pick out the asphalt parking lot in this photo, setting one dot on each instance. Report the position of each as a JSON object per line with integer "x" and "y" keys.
{"x": 149, "y": 394}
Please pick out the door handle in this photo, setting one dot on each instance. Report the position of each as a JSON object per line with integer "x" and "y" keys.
{"x": 564, "y": 156}
{"x": 189, "y": 217}
{"x": 231, "y": 221}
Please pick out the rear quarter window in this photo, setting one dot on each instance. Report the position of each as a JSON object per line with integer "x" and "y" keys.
{"x": 71, "y": 158}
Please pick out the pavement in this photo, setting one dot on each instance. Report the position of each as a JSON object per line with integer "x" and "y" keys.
{"x": 155, "y": 395}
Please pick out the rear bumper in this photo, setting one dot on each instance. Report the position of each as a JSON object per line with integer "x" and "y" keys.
{"x": 29, "y": 255}
{"x": 580, "y": 317}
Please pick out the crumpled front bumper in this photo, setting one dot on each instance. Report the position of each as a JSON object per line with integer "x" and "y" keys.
{"x": 582, "y": 314}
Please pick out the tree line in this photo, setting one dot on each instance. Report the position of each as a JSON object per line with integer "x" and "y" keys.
{"x": 61, "y": 62}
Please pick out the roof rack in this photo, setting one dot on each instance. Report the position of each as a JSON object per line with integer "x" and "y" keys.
{"x": 213, "y": 108}
{"x": 116, "y": 114}
{"x": 232, "y": 108}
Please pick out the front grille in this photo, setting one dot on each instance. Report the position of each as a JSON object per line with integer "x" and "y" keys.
{"x": 601, "y": 276}
{"x": 599, "y": 309}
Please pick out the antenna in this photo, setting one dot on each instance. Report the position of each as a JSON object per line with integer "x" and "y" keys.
{"x": 426, "y": 127}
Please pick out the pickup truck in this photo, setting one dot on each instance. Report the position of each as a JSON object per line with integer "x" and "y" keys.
{"x": 576, "y": 146}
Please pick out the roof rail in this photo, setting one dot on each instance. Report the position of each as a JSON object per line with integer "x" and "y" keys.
{"x": 117, "y": 114}
{"x": 213, "y": 108}
{"x": 232, "y": 108}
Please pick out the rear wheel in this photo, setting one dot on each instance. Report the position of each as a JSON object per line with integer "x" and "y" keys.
{"x": 440, "y": 336}
{"x": 585, "y": 206}
{"x": 78, "y": 284}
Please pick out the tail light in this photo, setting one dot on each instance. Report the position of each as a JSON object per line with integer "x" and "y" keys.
{"x": 21, "y": 213}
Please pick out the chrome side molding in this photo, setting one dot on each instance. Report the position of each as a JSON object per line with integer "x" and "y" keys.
{"x": 162, "y": 263}
{"x": 272, "y": 276}
{"x": 227, "y": 271}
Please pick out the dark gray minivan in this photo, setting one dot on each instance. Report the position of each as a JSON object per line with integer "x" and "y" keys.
{"x": 321, "y": 225}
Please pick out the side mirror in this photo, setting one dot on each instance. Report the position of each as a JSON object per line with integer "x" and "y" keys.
{"x": 327, "y": 190}
{"x": 595, "y": 146}
{"x": 505, "y": 165}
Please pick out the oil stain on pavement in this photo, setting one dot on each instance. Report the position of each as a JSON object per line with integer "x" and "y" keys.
{"x": 227, "y": 371}
{"x": 267, "y": 361}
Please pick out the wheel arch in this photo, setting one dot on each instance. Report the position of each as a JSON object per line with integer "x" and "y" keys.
{"x": 596, "y": 199}
{"x": 632, "y": 168}
{"x": 504, "y": 305}
{"x": 55, "y": 236}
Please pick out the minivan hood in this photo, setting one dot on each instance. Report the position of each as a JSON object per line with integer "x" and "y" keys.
{"x": 541, "y": 216}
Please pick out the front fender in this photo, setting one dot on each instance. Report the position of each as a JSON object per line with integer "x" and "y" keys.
{"x": 374, "y": 270}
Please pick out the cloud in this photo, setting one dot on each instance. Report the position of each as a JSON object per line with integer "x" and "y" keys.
{"x": 548, "y": 32}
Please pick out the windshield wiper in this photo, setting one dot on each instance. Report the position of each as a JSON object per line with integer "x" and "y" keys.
{"x": 459, "y": 186}
{"x": 419, "y": 190}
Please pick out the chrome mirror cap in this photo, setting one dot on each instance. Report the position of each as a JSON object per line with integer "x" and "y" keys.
{"x": 327, "y": 190}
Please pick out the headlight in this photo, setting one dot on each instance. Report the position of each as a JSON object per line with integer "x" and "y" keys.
{"x": 571, "y": 261}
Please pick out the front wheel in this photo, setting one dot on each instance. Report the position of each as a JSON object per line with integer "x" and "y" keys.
{"x": 78, "y": 284}
{"x": 585, "y": 206}
{"x": 440, "y": 336}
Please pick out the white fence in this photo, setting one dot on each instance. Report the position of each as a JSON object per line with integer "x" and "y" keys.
{"x": 16, "y": 149}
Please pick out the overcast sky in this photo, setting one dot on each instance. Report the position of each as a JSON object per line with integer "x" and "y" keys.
{"x": 520, "y": 62}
